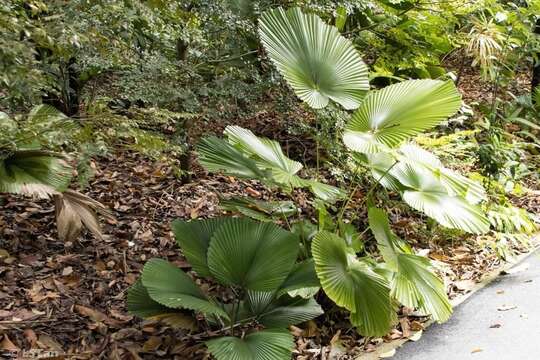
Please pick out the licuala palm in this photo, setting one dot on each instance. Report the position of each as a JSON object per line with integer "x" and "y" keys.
{"x": 308, "y": 55}
{"x": 301, "y": 46}
{"x": 257, "y": 261}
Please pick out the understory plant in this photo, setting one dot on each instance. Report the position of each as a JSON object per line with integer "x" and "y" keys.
{"x": 255, "y": 262}
{"x": 245, "y": 256}
{"x": 322, "y": 66}
{"x": 27, "y": 167}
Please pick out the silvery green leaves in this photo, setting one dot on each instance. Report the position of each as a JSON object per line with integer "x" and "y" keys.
{"x": 389, "y": 116}
{"x": 245, "y": 155}
{"x": 427, "y": 186}
{"x": 315, "y": 60}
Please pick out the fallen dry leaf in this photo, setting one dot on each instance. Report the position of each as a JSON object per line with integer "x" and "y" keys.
{"x": 416, "y": 336}
{"x": 152, "y": 344}
{"x": 8, "y": 345}
{"x": 387, "y": 354}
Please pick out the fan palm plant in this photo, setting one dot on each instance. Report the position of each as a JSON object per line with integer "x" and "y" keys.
{"x": 27, "y": 169}
{"x": 383, "y": 120}
{"x": 256, "y": 261}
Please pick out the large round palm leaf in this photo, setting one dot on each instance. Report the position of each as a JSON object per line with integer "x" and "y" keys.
{"x": 254, "y": 255}
{"x": 455, "y": 184}
{"x": 140, "y": 303}
{"x": 281, "y": 312}
{"x": 352, "y": 284}
{"x": 397, "y": 112}
{"x": 193, "y": 237}
{"x": 302, "y": 276}
{"x": 413, "y": 283}
{"x": 268, "y": 344}
{"x": 317, "y": 62}
{"x": 267, "y": 153}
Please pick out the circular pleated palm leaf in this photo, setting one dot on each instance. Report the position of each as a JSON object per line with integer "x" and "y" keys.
{"x": 456, "y": 184}
{"x": 426, "y": 193}
{"x": 268, "y": 344}
{"x": 352, "y": 284}
{"x": 397, "y": 112}
{"x": 140, "y": 303}
{"x": 415, "y": 285}
{"x": 281, "y": 312}
{"x": 317, "y": 62}
{"x": 193, "y": 237}
{"x": 254, "y": 255}
{"x": 413, "y": 282}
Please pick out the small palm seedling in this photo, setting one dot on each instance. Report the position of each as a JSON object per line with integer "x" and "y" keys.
{"x": 257, "y": 262}
{"x": 485, "y": 39}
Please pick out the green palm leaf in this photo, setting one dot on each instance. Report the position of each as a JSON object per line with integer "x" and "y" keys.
{"x": 455, "y": 184}
{"x": 413, "y": 283}
{"x": 267, "y": 153}
{"x": 317, "y": 62}
{"x": 325, "y": 192}
{"x": 249, "y": 156}
{"x": 259, "y": 209}
{"x": 426, "y": 193}
{"x": 34, "y": 172}
{"x": 352, "y": 284}
{"x": 194, "y": 238}
{"x": 257, "y": 256}
{"x": 268, "y": 344}
{"x": 139, "y": 303}
{"x": 282, "y": 312}
{"x": 171, "y": 287}
{"x": 218, "y": 155}
{"x": 397, "y": 112}
{"x": 302, "y": 276}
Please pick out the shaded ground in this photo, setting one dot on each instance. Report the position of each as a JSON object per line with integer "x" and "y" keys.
{"x": 499, "y": 322}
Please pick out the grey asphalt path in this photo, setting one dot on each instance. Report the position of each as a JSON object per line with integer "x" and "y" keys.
{"x": 478, "y": 330}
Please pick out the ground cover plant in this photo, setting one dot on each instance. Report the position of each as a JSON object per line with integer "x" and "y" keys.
{"x": 258, "y": 180}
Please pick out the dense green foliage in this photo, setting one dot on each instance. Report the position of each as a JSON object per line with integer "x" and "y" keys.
{"x": 378, "y": 85}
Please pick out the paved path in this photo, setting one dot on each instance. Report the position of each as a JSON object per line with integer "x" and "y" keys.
{"x": 479, "y": 330}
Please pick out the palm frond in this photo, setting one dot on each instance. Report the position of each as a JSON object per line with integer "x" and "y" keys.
{"x": 397, "y": 112}
{"x": 317, "y": 62}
